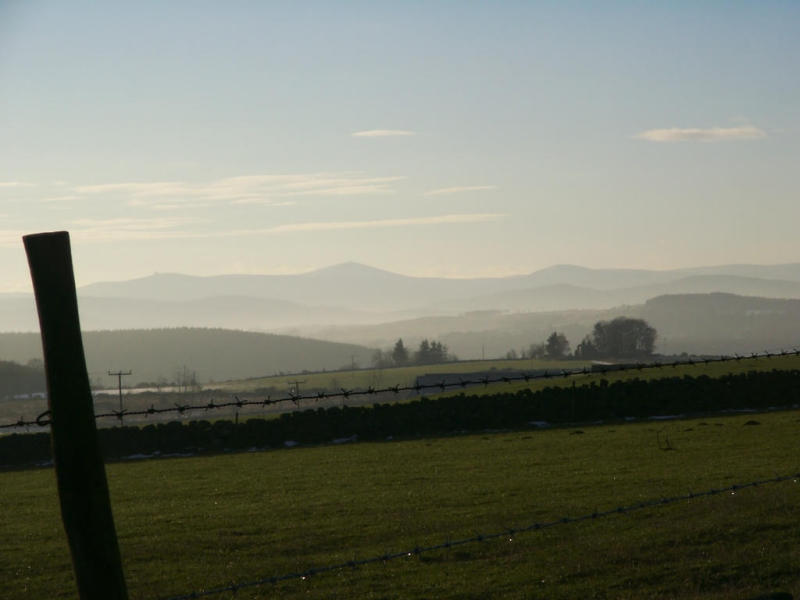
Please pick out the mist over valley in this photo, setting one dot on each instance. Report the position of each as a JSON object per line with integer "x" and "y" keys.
{"x": 353, "y": 309}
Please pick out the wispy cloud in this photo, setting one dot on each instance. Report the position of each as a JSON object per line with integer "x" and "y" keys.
{"x": 383, "y": 133}
{"x": 132, "y": 229}
{"x": 459, "y": 189}
{"x": 153, "y": 188}
{"x": 265, "y": 202}
{"x": 379, "y": 223}
{"x": 15, "y": 184}
{"x": 246, "y": 189}
{"x": 56, "y": 199}
{"x": 109, "y": 231}
{"x": 127, "y": 229}
{"x": 713, "y": 134}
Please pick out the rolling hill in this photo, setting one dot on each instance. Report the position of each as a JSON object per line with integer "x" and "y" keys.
{"x": 695, "y": 323}
{"x": 213, "y": 354}
{"x": 369, "y": 301}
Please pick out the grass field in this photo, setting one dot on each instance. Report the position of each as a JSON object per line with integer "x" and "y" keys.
{"x": 279, "y": 386}
{"x": 189, "y": 524}
{"x": 364, "y": 378}
{"x": 714, "y": 369}
{"x": 333, "y": 381}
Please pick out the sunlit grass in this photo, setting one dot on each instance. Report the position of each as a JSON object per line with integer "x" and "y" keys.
{"x": 388, "y": 377}
{"x": 187, "y": 524}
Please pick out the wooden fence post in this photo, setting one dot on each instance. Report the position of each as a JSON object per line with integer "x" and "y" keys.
{"x": 80, "y": 473}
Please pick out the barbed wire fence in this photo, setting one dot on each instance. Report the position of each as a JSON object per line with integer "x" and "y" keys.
{"x": 85, "y": 502}
{"x": 444, "y": 385}
{"x": 481, "y": 537}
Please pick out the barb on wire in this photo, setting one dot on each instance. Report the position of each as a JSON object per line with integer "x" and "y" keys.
{"x": 441, "y": 386}
{"x": 482, "y": 537}
{"x": 41, "y": 421}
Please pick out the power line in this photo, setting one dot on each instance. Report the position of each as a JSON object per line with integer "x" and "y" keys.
{"x": 119, "y": 375}
{"x": 444, "y": 385}
{"x": 294, "y": 392}
{"x": 441, "y": 386}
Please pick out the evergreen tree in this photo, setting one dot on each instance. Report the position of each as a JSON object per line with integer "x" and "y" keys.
{"x": 399, "y": 353}
{"x": 557, "y": 345}
{"x": 423, "y": 355}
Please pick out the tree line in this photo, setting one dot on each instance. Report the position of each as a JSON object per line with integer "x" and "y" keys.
{"x": 17, "y": 379}
{"x": 430, "y": 352}
{"x": 622, "y": 337}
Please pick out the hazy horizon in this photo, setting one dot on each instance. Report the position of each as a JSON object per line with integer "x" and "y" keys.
{"x": 523, "y": 273}
{"x": 402, "y": 274}
{"x": 428, "y": 139}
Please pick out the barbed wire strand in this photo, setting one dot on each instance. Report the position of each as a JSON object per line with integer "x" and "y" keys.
{"x": 509, "y": 533}
{"x": 42, "y": 420}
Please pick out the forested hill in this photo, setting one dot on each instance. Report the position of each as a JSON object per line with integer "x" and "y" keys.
{"x": 212, "y": 354}
{"x": 714, "y": 323}
{"x": 722, "y": 323}
{"x": 18, "y": 379}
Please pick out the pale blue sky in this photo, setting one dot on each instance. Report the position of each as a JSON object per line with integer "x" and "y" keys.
{"x": 495, "y": 137}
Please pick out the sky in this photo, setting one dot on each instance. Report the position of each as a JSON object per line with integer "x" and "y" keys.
{"x": 430, "y": 138}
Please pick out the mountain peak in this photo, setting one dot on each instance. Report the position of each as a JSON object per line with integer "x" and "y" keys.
{"x": 353, "y": 269}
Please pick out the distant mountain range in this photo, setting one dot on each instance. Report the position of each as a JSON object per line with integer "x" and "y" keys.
{"x": 361, "y": 287}
{"x": 567, "y": 296}
{"x": 715, "y": 323}
{"x": 730, "y": 308}
{"x": 351, "y": 294}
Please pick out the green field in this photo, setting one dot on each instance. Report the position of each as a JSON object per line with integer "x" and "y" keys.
{"x": 334, "y": 381}
{"x": 194, "y": 523}
{"x": 713, "y": 369}
{"x": 280, "y": 385}
{"x": 378, "y": 378}
{"x": 364, "y": 378}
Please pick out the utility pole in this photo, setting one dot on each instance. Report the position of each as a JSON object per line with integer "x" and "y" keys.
{"x": 119, "y": 375}
{"x": 297, "y": 386}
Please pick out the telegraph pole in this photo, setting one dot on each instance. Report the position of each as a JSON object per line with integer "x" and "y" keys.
{"x": 119, "y": 375}
{"x": 297, "y": 386}
{"x": 296, "y": 393}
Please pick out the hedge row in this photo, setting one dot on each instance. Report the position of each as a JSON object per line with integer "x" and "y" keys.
{"x": 634, "y": 398}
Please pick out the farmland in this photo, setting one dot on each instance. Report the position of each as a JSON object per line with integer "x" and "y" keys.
{"x": 193, "y": 523}
{"x": 361, "y": 379}
{"x": 280, "y": 386}
{"x": 711, "y": 369}
{"x": 388, "y": 377}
